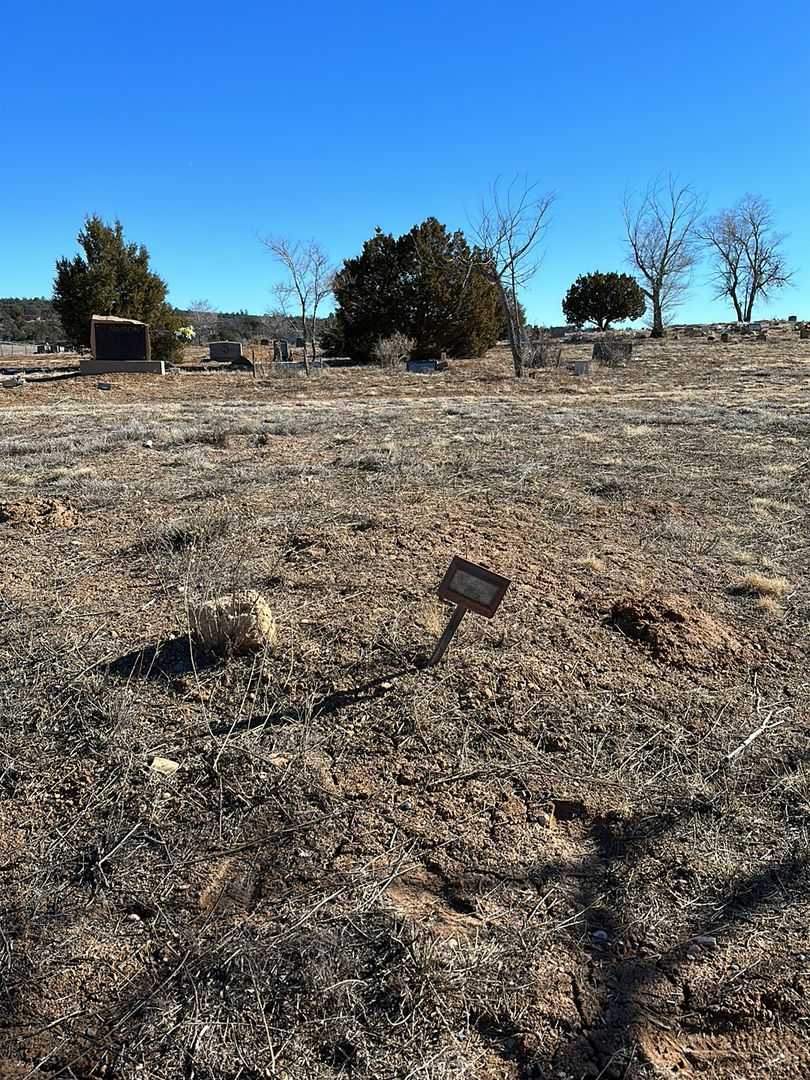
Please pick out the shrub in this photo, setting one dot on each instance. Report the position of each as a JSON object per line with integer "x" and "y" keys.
{"x": 540, "y": 350}
{"x": 390, "y": 351}
{"x": 602, "y": 299}
{"x": 611, "y": 351}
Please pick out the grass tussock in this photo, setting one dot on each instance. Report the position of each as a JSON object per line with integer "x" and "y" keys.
{"x": 759, "y": 585}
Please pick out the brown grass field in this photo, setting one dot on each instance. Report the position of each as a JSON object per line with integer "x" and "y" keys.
{"x": 555, "y": 855}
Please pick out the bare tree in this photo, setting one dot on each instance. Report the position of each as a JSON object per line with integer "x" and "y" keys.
{"x": 308, "y": 283}
{"x": 662, "y": 234}
{"x": 508, "y": 234}
{"x": 746, "y": 255}
{"x": 203, "y": 318}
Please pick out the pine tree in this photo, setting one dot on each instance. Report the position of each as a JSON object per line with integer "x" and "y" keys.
{"x": 112, "y": 277}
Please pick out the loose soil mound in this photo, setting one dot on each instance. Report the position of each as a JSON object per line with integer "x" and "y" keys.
{"x": 39, "y": 514}
{"x": 674, "y": 630}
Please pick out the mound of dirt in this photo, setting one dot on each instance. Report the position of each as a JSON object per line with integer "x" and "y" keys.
{"x": 674, "y": 630}
{"x": 39, "y": 514}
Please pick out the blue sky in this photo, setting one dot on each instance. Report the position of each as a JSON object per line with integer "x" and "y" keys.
{"x": 204, "y": 125}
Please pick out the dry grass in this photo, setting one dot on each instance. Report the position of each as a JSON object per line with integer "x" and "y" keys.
{"x": 760, "y": 585}
{"x": 510, "y": 866}
{"x": 591, "y": 562}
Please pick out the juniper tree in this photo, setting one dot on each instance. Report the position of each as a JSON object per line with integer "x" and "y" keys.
{"x": 603, "y": 299}
{"x": 112, "y": 277}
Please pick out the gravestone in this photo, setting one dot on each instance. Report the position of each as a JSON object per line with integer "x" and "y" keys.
{"x": 426, "y": 367}
{"x": 281, "y": 351}
{"x": 582, "y": 367}
{"x": 119, "y": 345}
{"x": 724, "y": 337}
{"x": 230, "y": 351}
{"x": 762, "y": 335}
{"x": 804, "y": 333}
{"x": 792, "y": 318}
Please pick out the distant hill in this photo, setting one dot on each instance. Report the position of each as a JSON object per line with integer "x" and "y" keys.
{"x": 34, "y": 319}
{"x": 29, "y": 319}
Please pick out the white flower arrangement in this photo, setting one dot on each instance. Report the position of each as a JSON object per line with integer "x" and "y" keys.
{"x": 185, "y": 333}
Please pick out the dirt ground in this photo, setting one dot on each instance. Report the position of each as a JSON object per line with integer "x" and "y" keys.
{"x": 559, "y": 854}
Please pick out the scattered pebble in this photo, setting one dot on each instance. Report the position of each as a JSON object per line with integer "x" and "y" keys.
{"x": 165, "y": 766}
{"x": 148, "y": 444}
{"x": 600, "y": 935}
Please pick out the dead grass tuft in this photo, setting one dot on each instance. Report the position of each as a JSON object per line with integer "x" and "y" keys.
{"x": 760, "y": 585}
{"x": 234, "y": 625}
{"x": 591, "y": 562}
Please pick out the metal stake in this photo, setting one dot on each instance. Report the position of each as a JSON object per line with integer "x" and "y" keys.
{"x": 447, "y": 636}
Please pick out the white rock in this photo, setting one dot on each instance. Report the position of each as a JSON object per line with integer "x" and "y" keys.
{"x": 165, "y": 766}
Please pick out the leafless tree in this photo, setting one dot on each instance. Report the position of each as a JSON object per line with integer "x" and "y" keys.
{"x": 745, "y": 251}
{"x": 308, "y": 283}
{"x": 508, "y": 233}
{"x": 661, "y": 229}
{"x": 203, "y": 318}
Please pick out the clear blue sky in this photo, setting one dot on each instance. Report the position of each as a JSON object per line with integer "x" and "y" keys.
{"x": 202, "y": 125}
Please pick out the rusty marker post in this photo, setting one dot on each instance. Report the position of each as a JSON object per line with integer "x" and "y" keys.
{"x": 470, "y": 588}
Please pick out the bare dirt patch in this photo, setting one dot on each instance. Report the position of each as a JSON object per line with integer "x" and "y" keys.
{"x": 38, "y": 514}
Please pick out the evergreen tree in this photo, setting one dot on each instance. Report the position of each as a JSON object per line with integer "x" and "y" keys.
{"x": 423, "y": 284}
{"x": 603, "y": 299}
{"x": 112, "y": 277}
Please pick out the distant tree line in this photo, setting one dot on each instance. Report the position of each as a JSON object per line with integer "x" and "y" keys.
{"x": 33, "y": 320}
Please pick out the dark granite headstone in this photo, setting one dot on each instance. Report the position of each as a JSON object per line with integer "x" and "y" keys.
{"x": 120, "y": 345}
{"x": 225, "y": 350}
{"x": 120, "y": 339}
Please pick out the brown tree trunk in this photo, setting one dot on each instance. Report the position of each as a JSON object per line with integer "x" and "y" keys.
{"x": 658, "y": 317}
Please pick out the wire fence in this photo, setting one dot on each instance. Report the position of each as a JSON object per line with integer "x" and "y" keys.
{"x": 28, "y": 348}
{"x": 17, "y": 348}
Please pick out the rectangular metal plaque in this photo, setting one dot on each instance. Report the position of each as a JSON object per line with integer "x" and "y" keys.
{"x": 473, "y": 587}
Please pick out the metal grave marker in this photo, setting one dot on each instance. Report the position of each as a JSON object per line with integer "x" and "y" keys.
{"x": 471, "y": 588}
